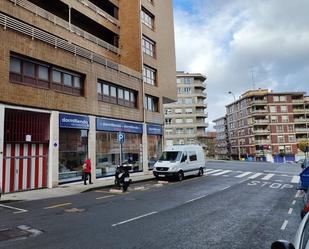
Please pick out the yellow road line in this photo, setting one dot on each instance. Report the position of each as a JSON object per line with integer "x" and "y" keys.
{"x": 58, "y": 205}
{"x": 103, "y": 197}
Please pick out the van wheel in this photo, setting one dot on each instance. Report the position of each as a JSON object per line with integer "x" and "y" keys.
{"x": 180, "y": 176}
{"x": 200, "y": 172}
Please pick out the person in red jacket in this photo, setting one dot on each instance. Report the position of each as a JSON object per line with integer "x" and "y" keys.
{"x": 87, "y": 171}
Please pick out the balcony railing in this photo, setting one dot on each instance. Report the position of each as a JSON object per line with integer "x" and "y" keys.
{"x": 99, "y": 11}
{"x": 301, "y": 120}
{"x": 306, "y": 130}
{"x": 261, "y": 131}
{"x": 298, "y": 110}
{"x": 259, "y": 111}
{"x": 64, "y": 24}
{"x": 298, "y": 101}
{"x": 34, "y": 33}
{"x": 261, "y": 121}
{"x": 262, "y": 141}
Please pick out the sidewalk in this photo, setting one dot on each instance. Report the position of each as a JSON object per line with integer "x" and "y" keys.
{"x": 67, "y": 189}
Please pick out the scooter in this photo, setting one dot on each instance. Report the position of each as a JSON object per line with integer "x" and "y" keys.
{"x": 122, "y": 177}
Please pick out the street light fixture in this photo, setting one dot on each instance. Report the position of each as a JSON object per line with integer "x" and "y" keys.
{"x": 237, "y": 126}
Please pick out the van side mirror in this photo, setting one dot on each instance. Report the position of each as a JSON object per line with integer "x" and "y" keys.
{"x": 282, "y": 244}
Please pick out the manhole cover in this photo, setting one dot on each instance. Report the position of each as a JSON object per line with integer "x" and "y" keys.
{"x": 20, "y": 232}
{"x": 74, "y": 210}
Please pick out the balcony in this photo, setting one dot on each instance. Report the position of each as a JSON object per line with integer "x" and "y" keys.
{"x": 262, "y": 141}
{"x": 261, "y": 122}
{"x": 302, "y": 130}
{"x": 298, "y": 110}
{"x": 259, "y": 102}
{"x": 64, "y": 24}
{"x": 297, "y": 101}
{"x": 261, "y": 131}
{"x": 301, "y": 120}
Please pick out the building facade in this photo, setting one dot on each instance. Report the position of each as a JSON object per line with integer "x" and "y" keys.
{"x": 185, "y": 120}
{"x": 222, "y": 150}
{"x": 267, "y": 126}
{"x": 73, "y": 75}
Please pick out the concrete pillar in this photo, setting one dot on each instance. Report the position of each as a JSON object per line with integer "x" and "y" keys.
{"x": 92, "y": 146}
{"x": 53, "y": 155}
{"x": 145, "y": 149}
{"x": 1, "y": 141}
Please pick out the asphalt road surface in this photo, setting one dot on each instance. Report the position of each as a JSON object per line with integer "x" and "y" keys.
{"x": 234, "y": 205}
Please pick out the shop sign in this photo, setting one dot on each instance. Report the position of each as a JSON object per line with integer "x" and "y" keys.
{"x": 73, "y": 121}
{"x": 104, "y": 124}
{"x": 153, "y": 129}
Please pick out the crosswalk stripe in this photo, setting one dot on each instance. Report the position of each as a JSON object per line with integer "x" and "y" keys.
{"x": 243, "y": 174}
{"x": 268, "y": 176}
{"x": 222, "y": 173}
{"x": 208, "y": 170}
{"x": 213, "y": 171}
{"x": 255, "y": 176}
{"x": 295, "y": 179}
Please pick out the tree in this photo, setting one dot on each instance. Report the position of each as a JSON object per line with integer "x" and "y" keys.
{"x": 303, "y": 145}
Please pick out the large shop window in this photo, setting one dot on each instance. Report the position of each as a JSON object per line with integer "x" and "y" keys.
{"x": 154, "y": 149}
{"x": 73, "y": 147}
{"x": 108, "y": 152}
{"x": 32, "y": 72}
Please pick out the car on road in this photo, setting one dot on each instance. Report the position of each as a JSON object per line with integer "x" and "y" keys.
{"x": 180, "y": 161}
{"x": 301, "y": 240}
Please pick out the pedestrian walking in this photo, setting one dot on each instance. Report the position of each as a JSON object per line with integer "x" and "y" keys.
{"x": 87, "y": 171}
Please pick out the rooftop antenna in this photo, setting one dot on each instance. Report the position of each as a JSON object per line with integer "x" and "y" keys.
{"x": 252, "y": 78}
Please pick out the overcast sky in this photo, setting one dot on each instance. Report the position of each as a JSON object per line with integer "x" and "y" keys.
{"x": 232, "y": 40}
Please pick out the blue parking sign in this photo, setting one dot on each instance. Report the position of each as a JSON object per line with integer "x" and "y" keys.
{"x": 120, "y": 137}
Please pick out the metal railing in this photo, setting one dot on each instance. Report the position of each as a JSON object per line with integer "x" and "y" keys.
{"x": 99, "y": 11}
{"x": 64, "y": 24}
{"x": 34, "y": 33}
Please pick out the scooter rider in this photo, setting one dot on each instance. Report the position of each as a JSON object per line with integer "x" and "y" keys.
{"x": 122, "y": 177}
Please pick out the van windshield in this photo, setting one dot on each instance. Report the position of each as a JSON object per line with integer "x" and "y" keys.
{"x": 170, "y": 156}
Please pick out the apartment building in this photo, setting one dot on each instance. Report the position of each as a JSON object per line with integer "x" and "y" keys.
{"x": 74, "y": 74}
{"x": 267, "y": 126}
{"x": 185, "y": 120}
{"x": 222, "y": 143}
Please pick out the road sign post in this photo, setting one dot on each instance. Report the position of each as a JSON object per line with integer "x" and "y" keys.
{"x": 120, "y": 141}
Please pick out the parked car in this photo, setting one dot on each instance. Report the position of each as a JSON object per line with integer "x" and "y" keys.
{"x": 180, "y": 161}
{"x": 301, "y": 240}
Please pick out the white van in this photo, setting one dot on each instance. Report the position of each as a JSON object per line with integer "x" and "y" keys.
{"x": 179, "y": 161}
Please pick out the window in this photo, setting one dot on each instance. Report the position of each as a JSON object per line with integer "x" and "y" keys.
{"x": 288, "y": 149}
{"x": 178, "y": 121}
{"x": 276, "y": 98}
{"x": 151, "y": 103}
{"x": 273, "y": 119}
{"x": 187, "y": 101}
{"x": 168, "y": 111}
{"x": 188, "y": 111}
{"x": 279, "y": 128}
{"x": 147, "y": 18}
{"x": 290, "y": 128}
{"x": 179, "y": 130}
{"x": 190, "y": 130}
{"x": 192, "y": 156}
{"x": 178, "y": 111}
{"x": 272, "y": 109}
{"x": 283, "y": 108}
{"x": 291, "y": 138}
{"x": 189, "y": 120}
{"x": 168, "y": 121}
{"x": 113, "y": 94}
{"x": 148, "y": 46}
{"x": 149, "y": 75}
{"x": 285, "y": 119}
{"x": 169, "y": 131}
{"x": 35, "y": 73}
{"x": 280, "y": 139}
{"x": 187, "y": 90}
{"x": 282, "y": 98}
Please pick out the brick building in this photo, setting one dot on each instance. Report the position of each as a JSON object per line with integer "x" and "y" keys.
{"x": 265, "y": 125}
{"x": 74, "y": 74}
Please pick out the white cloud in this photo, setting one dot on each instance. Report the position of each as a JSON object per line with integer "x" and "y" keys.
{"x": 227, "y": 40}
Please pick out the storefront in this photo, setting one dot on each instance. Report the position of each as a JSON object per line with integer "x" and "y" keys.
{"x": 73, "y": 146}
{"x": 108, "y": 147}
{"x": 154, "y": 138}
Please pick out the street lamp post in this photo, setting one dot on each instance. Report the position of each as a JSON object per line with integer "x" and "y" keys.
{"x": 237, "y": 126}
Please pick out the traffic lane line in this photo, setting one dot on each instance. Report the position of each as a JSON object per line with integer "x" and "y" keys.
{"x": 133, "y": 219}
{"x": 18, "y": 210}
{"x": 58, "y": 205}
{"x": 290, "y": 211}
{"x": 285, "y": 223}
{"x": 104, "y": 197}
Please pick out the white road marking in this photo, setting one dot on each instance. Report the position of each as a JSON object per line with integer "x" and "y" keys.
{"x": 255, "y": 176}
{"x": 299, "y": 194}
{"x": 267, "y": 177}
{"x": 213, "y": 171}
{"x": 222, "y": 173}
{"x": 197, "y": 198}
{"x": 19, "y": 210}
{"x": 104, "y": 197}
{"x": 135, "y": 218}
{"x": 295, "y": 179}
{"x": 290, "y": 211}
{"x": 285, "y": 223}
{"x": 243, "y": 174}
{"x": 208, "y": 170}
{"x": 58, "y": 205}
{"x": 293, "y": 203}
{"x": 225, "y": 188}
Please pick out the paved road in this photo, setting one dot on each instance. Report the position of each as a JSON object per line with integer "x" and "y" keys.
{"x": 234, "y": 205}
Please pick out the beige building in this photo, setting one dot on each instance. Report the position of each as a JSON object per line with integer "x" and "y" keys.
{"x": 267, "y": 126}
{"x": 74, "y": 74}
{"x": 185, "y": 120}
